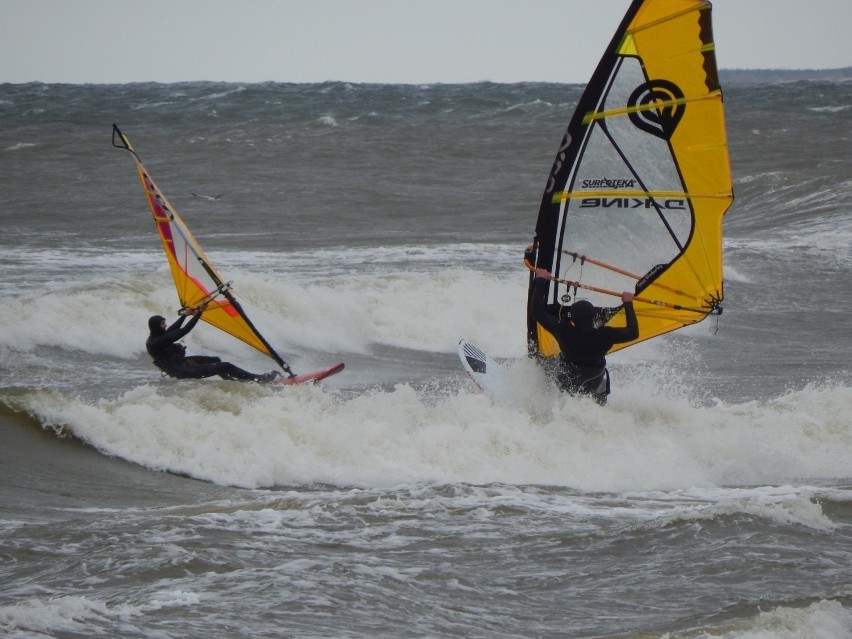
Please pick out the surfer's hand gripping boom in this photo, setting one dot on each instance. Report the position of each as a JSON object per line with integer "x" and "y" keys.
{"x": 202, "y": 305}
{"x": 195, "y": 310}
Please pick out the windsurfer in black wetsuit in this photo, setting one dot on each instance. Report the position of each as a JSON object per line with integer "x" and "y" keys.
{"x": 170, "y": 357}
{"x": 582, "y": 363}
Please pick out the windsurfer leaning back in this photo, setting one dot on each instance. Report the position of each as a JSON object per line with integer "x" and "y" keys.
{"x": 582, "y": 362}
{"x": 170, "y": 357}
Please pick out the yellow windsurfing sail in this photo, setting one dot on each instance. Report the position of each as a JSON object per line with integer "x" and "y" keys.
{"x": 635, "y": 199}
{"x": 195, "y": 278}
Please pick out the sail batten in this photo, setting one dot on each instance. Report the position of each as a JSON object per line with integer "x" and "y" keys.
{"x": 642, "y": 179}
{"x": 661, "y": 104}
{"x": 561, "y": 196}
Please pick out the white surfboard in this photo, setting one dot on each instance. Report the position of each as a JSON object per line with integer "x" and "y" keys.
{"x": 482, "y": 369}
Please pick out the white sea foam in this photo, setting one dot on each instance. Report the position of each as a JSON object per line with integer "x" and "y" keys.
{"x": 734, "y": 274}
{"x": 830, "y": 109}
{"x": 328, "y": 120}
{"x": 347, "y": 313}
{"x": 62, "y": 613}
{"x": 302, "y": 435}
{"x": 20, "y": 145}
{"x": 650, "y": 436}
{"x": 783, "y": 505}
{"x": 826, "y": 619}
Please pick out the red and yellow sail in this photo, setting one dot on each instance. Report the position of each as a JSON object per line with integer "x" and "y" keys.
{"x": 196, "y": 281}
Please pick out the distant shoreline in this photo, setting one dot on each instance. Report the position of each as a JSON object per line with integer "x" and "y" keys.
{"x": 764, "y": 76}
{"x": 726, "y": 77}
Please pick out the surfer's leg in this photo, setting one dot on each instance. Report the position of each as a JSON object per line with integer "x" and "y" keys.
{"x": 196, "y": 360}
{"x": 206, "y": 366}
{"x": 584, "y": 380}
{"x": 602, "y": 390}
{"x": 594, "y": 383}
{"x": 566, "y": 378}
{"x": 571, "y": 378}
{"x": 198, "y": 369}
{"x": 226, "y": 370}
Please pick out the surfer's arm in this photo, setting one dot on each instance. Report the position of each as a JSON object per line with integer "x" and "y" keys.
{"x": 175, "y": 332}
{"x": 538, "y": 302}
{"x": 177, "y": 324}
{"x": 630, "y": 312}
{"x": 631, "y": 331}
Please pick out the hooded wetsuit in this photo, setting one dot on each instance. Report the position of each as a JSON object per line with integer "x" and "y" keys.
{"x": 170, "y": 357}
{"x": 583, "y": 359}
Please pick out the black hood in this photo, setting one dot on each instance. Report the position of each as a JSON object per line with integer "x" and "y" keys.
{"x": 154, "y": 324}
{"x": 583, "y": 314}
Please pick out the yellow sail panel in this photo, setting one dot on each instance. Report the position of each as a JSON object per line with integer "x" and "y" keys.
{"x": 547, "y": 344}
{"x": 195, "y": 279}
{"x": 635, "y": 198}
{"x": 674, "y": 43}
{"x": 627, "y": 46}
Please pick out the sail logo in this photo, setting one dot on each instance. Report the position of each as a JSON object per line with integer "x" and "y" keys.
{"x": 632, "y": 203}
{"x": 609, "y": 183}
{"x": 561, "y": 155}
{"x": 657, "y": 107}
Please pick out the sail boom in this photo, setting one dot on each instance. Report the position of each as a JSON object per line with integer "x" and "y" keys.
{"x": 710, "y": 304}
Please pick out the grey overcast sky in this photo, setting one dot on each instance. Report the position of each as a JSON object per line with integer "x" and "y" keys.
{"x": 394, "y": 41}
